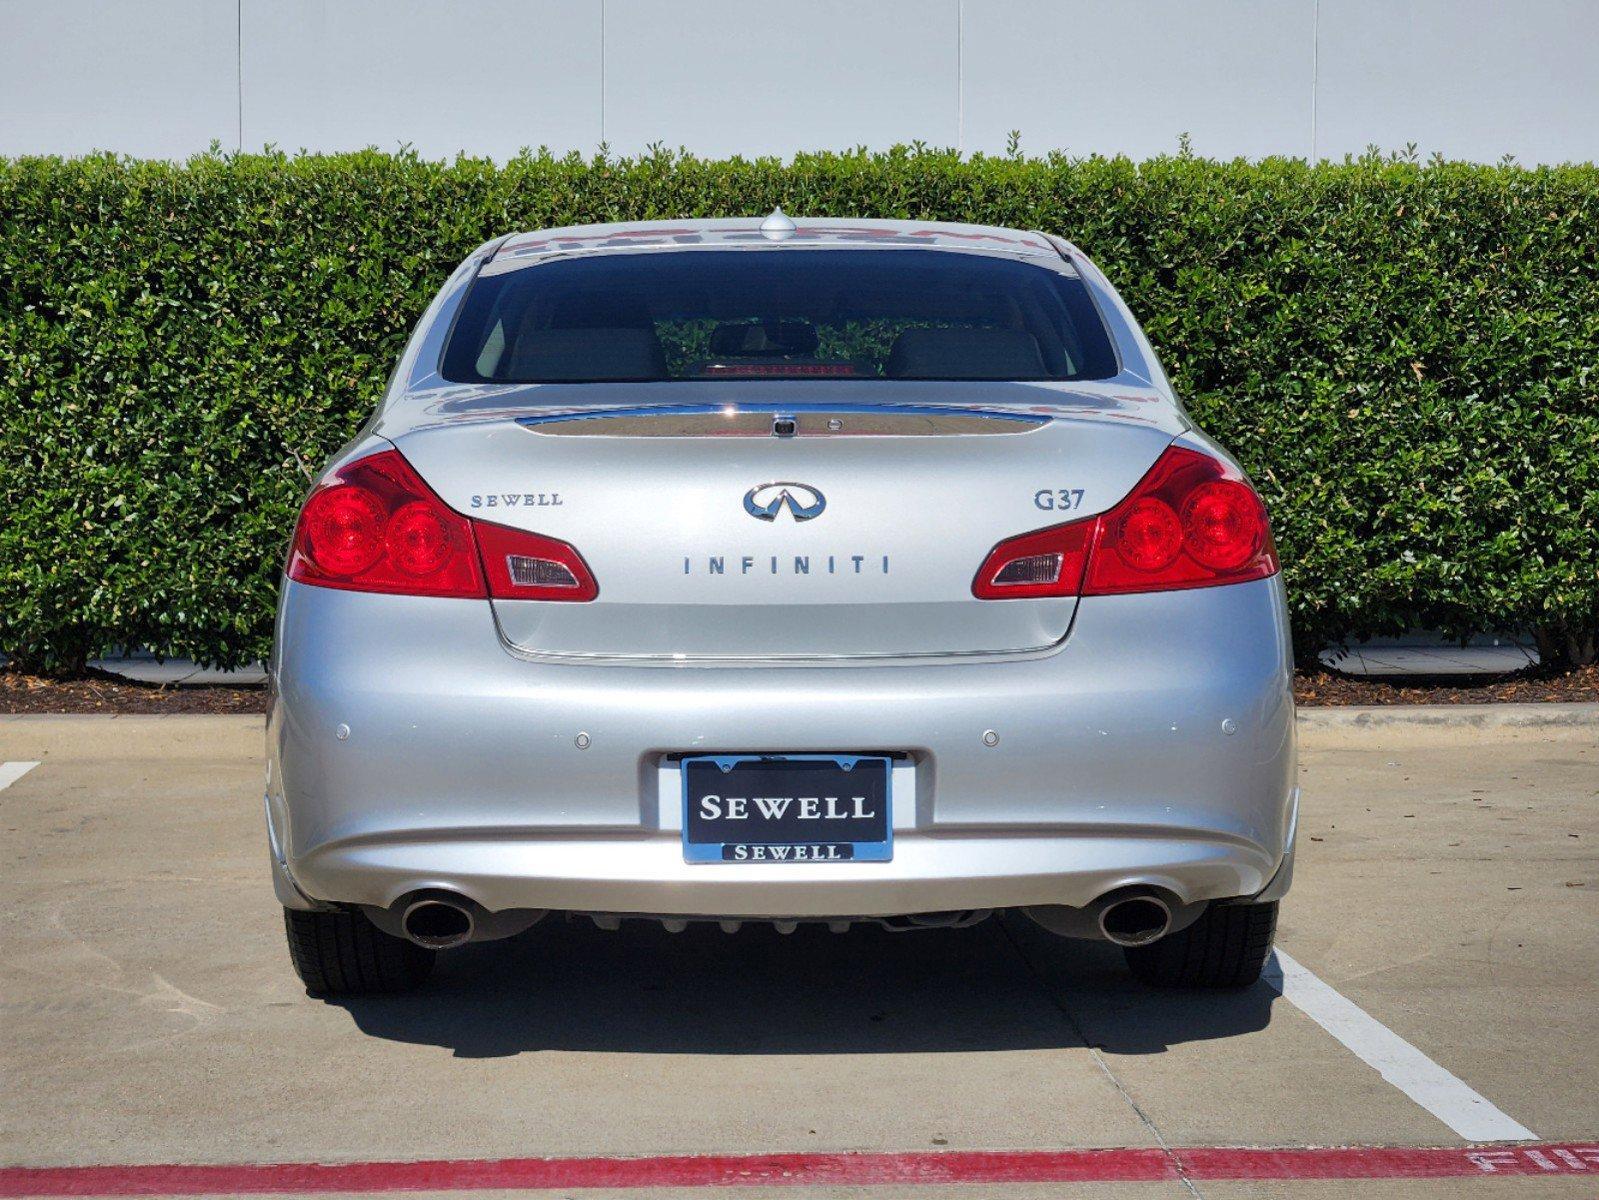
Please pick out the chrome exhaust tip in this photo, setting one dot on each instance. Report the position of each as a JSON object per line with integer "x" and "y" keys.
{"x": 437, "y": 922}
{"x": 1135, "y": 920}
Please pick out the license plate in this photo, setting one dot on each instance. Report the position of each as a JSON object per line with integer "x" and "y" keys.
{"x": 774, "y": 808}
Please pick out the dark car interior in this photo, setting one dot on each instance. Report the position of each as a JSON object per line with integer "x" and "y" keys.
{"x": 792, "y": 313}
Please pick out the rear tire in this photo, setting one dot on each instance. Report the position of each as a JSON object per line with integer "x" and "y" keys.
{"x": 344, "y": 954}
{"x": 1225, "y": 948}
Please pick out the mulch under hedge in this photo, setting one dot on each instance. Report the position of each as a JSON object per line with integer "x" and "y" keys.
{"x": 1313, "y": 689}
{"x": 101, "y": 692}
{"x": 105, "y": 693}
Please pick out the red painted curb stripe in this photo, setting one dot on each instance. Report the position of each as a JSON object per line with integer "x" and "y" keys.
{"x": 767, "y": 1170}
{"x": 1390, "y": 1162}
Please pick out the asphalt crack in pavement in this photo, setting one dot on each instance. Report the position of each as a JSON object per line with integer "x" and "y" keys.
{"x": 1056, "y": 1001}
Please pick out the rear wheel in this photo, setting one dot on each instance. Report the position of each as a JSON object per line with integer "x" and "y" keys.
{"x": 344, "y": 954}
{"x": 1225, "y": 948}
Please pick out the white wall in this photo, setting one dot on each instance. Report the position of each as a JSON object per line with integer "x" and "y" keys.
{"x": 154, "y": 79}
{"x": 1471, "y": 78}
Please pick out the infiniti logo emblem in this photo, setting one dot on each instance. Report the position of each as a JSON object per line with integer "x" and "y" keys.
{"x": 766, "y": 500}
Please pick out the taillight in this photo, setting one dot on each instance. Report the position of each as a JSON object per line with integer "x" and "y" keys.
{"x": 529, "y": 566}
{"x": 1192, "y": 521}
{"x": 376, "y": 527}
{"x": 1047, "y": 562}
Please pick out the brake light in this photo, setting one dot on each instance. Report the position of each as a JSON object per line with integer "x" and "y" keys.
{"x": 529, "y": 566}
{"x": 376, "y": 527}
{"x": 1192, "y": 521}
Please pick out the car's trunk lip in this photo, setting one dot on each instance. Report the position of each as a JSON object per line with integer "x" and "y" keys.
{"x": 810, "y": 419}
{"x": 1120, "y": 401}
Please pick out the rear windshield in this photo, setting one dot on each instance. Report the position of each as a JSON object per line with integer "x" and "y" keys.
{"x": 778, "y": 313}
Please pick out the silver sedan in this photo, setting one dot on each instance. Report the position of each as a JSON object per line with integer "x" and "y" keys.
{"x": 781, "y": 571}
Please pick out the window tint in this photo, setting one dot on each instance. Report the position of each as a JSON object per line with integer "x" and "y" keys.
{"x": 778, "y": 313}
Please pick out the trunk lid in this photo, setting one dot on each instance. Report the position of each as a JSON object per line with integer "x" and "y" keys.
{"x": 717, "y": 534}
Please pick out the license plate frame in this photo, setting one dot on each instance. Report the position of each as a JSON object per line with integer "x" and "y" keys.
{"x": 853, "y": 811}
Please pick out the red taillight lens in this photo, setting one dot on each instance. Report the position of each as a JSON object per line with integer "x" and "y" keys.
{"x": 1223, "y": 526}
{"x": 529, "y": 566}
{"x": 343, "y": 529}
{"x": 376, "y": 527}
{"x": 1147, "y": 535}
{"x": 1191, "y": 522}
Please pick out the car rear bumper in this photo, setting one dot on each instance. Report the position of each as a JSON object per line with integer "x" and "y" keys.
{"x": 648, "y": 875}
{"x": 409, "y": 750}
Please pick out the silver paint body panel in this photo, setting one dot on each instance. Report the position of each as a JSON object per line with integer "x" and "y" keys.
{"x": 462, "y": 769}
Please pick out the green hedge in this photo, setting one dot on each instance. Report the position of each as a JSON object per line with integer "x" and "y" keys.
{"x": 1404, "y": 355}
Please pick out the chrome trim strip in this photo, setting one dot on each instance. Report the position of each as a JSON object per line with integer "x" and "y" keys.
{"x": 1031, "y": 420}
{"x": 885, "y": 659}
{"x": 776, "y": 660}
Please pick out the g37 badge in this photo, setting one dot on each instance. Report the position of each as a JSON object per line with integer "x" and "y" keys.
{"x": 1058, "y": 499}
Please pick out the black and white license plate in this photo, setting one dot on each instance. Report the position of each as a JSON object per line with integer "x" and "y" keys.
{"x": 772, "y": 808}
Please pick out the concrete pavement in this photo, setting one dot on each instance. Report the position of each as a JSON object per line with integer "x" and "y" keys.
{"x": 1448, "y": 885}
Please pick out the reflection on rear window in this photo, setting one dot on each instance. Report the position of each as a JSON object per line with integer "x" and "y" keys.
{"x": 778, "y": 313}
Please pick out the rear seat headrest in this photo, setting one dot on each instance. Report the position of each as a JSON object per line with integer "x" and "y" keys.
{"x": 586, "y": 355}
{"x": 966, "y": 354}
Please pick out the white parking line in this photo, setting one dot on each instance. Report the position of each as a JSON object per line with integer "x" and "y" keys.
{"x": 10, "y": 772}
{"x": 1442, "y": 1094}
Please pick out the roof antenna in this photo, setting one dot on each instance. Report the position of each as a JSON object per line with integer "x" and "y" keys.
{"x": 777, "y": 227}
